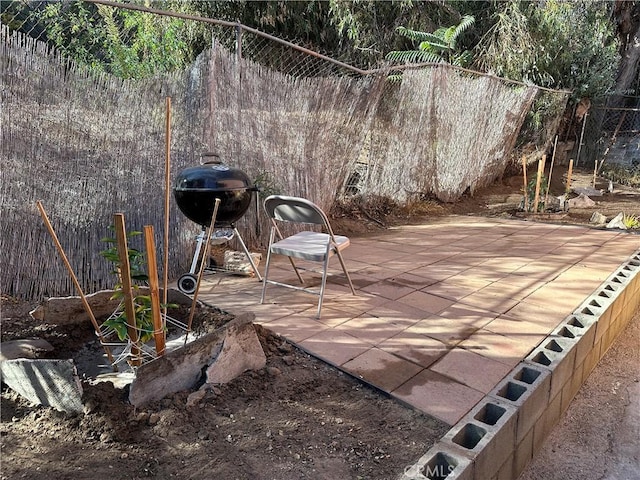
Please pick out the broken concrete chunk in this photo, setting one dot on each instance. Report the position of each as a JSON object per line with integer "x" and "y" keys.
{"x": 588, "y": 191}
{"x": 182, "y": 369}
{"x": 598, "y": 219}
{"x": 25, "y": 348}
{"x": 581, "y": 201}
{"x": 240, "y": 352}
{"x": 71, "y": 311}
{"x": 52, "y": 383}
{"x": 617, "y": 222}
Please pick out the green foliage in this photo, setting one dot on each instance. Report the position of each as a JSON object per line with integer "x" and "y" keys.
{"x": 267, "y": 184}
{"x": 545, "y": 108}
{"x": 141, "y": 302}
{"x": 126, "y": 43}
{"x": 367, "y": 27}
{"x": 623, "y": 174}
{"x": 136, "y": 257}
{"x": 531, "y": 194}
{"x": 558, "y": 44}
{"x": 630, "y": 221}
{"x": 437, "y": 47}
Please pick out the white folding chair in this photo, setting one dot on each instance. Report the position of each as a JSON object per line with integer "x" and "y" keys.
{"x": 306, "y": 245}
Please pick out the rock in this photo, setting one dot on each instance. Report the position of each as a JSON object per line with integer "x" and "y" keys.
{"x": 27, "y": 348}
{"x": 598, "y": 219}
{"x": 196, "y": 397}
{"x": 581, "y": 201}
{"x": 588, "y": 191}
{"x": 52, "y": 383}
{"x": 617, "y": 222}
{"x": 237, "y": 262}
{"x": 274, "y": 371}
{"x": 71, "y": 310}
{"x": 288, "y": 359}
{"x": 154, "y": 418}
{"x": 225, "y": 353}
{"x": 241, "y": 351}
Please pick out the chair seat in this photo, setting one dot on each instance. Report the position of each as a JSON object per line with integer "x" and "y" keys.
{"x": 311, "y": 246}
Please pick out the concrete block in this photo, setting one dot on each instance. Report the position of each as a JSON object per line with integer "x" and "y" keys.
{"x": 546, "y": 422}
{"x": 486, "y": 435}
{"x": 52, "y": 383}
{"x": 615, "y": 292}
{"x": 439, "y": 463}
{"x": 505, "y": 472}
{"x": 182, "y": 368}
{"x": 572, "y": 386}
{"x": 617, "y": 284}
{"x": 627, "y": 312}
{"x": 584, "y": 331}
{"x": 559, "y": 358}
{"x": 527, "y": 389}
{"x": 600, "y": 308}
{"x": 591, "y": 360}
{"x": 523, "y": 454}
{"x": 71, "y": 310}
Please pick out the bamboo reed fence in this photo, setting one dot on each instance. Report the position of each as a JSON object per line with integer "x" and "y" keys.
{"x": 88, "y": 145}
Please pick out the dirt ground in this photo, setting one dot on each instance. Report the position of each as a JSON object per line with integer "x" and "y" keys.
{"x": 296, "y": 418}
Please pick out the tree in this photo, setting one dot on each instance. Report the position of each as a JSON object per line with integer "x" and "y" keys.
{"x": 627, "y": 15}
{"x": 437, "y": 47}
{"x": 557, "y": 44}
{"x": 126, "y": 43}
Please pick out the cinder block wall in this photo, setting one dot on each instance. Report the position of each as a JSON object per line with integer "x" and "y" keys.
{"x": 498, "y": 438}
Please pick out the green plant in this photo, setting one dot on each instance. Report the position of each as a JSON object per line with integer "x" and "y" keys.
{"x": 141, "y": 302}
{"x": 630, "y": 221}
{"x": 267, "y": 184}
{"x": 531, "y": 193}
{"x": 437, "y": 47}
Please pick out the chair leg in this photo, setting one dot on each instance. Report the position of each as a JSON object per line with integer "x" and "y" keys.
{"x": 295, "y": 268}
{"x": 344, "y": 269}
{"x": 325, "y": 268}
{"x": 266, "y": 269}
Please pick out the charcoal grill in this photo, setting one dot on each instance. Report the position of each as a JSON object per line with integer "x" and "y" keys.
{"x": 196, "y": 190}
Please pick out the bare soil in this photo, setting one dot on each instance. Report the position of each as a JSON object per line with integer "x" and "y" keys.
{"x": 296, "y": 418}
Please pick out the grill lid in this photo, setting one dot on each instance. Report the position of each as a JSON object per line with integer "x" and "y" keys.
{"x": 196, "y": 189}
{"x": 212, "y": 175}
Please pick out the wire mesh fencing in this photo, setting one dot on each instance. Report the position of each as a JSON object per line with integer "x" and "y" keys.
{"x": 84, "y": 128}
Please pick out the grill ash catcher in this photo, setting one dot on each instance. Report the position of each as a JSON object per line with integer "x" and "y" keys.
{"x": 195, "y": 191}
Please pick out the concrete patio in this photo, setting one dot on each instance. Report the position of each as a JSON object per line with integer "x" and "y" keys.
{"x": 446, "y": 311}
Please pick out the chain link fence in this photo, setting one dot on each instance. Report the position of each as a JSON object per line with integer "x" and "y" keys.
{"x": 84, "y": 90}
{"x": 610, "y": 134}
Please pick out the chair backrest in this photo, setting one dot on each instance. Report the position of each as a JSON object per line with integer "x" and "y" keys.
{"x": 294, "y": 209}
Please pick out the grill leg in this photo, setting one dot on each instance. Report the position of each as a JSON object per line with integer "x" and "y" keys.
{"x": 246, "y": 252}
{"x": 200, "y": 240}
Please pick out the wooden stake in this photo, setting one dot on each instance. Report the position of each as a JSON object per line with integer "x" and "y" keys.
{"x": 85, "y": 303}
{"x": 536, "y": 198}
{"x": 205, "y": 257}
{"x": 125, "y": 273}
{"x": 526, "y": 187}
{"x": 152, "y": 266}
{"x": 568, "y": 186}
{"x": 167, "y": 175}
{"x": 553, "y": 157}
{"x": 596, "y": 169}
